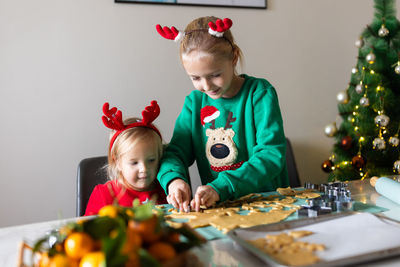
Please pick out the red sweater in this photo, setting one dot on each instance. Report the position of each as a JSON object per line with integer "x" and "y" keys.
{"x": 101, "y": 196}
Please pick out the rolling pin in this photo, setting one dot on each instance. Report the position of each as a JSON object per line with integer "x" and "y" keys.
{"x": 387, "y": 187}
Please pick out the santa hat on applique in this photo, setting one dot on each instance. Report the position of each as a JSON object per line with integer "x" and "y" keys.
{"x": 208, "y": 114}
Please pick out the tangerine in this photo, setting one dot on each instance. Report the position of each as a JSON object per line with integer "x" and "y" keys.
{"x": 109, "y": 210}
{"x": 59, "y": 260}
{"x": 44, "y": 260}
{"x": 78, "y": 244}
{"x": 174, "y": 237}
{"x": 93, "y": 259}
{"x": 162, "y": 251}
{"x": 148, "y": 229}
{"x": 133, "y": 239}
{"x": 133, "y": 259}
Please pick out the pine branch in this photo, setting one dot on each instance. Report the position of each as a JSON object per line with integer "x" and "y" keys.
{"x": 384, "y": 9}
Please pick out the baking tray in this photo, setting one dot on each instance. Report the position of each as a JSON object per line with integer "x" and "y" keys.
{"x": 241, "y": 235}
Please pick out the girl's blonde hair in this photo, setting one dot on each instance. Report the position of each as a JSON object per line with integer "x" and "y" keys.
{"x": 126, "y": 141}
{"x": 197, "y": 38}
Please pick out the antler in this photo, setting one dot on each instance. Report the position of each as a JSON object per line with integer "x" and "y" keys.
{"x": 169, "y": 33}
{"x": 219, "y": 27}
{"x": 150, "y": 113}
{"x": 112, "y": 118}
{"x": 229, "y": 120}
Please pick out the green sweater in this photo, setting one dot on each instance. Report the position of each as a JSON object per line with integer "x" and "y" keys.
{"x": 238, "y": 143}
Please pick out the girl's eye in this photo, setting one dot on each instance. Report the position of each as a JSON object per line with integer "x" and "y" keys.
{"x": 134, "y": 163}
{"x": 195, "y": 78}
{"x": 216, "y": 75}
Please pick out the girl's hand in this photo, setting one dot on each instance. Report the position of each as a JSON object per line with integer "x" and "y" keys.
{"x": 205, "y": 195}
{"x": 179, "y": 195}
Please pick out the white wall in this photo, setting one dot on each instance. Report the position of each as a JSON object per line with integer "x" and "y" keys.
{"x": 61, "y": 60}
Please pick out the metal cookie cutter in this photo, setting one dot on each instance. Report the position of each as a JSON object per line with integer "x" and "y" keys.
{"x": 335, "y": 197}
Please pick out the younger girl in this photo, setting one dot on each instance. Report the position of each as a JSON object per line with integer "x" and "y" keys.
{"x": 231, "y": 124}
{"x": 133, "y": 160}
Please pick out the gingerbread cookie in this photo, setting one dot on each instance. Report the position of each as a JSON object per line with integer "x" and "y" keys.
{"x": 288, "y": 191}
{"x": 286, "y": 249}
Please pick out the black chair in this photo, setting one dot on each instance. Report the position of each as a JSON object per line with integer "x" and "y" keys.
{"x": 294, "y": 180}
{"x": 90, "y": 174}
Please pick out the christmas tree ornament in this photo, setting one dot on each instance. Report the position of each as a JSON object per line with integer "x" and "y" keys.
{"x": 379, "y": 143}
{"x": 383, "y": 31}
{"x": 330, "y": 129}
{"x": 370, "y": 58}
{"x": 396, "y": 166}
{"x": 364, "y": 101}
{"x": 354, "y": 70}
{"x": 359, "y": 43}
{"x": 382, "y": 120}
{"x": 346, "y": 142}
{"x": 359, "y": 88}
{"x": 327, "y": 166}
{"x": 358, "y": 162}
{"x": 342, "y": 97}
{"x": 397, "y": 68}
{"x": 394, "y": 141}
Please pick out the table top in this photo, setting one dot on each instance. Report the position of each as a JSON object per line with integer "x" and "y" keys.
{"x": 219, "y": 252}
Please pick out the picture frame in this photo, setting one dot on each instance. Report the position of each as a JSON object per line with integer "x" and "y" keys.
{"x": 260, "y": 4}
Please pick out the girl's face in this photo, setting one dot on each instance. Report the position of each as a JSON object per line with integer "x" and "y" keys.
{"x": 139, "y": 165}
{"x": 216, "y": 78}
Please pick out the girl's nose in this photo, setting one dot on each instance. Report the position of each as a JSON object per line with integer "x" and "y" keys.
{"x": 206, "y": 85}
{"x": 142, "y": 167}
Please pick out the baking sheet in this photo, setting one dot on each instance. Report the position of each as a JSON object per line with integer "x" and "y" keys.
{"x": 349, "y": 237}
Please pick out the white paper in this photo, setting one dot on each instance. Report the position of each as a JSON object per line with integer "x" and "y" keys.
{"x": 347, "y": 236}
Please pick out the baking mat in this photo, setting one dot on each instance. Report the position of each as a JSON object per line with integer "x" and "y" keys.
{"x": 211, "y": 233}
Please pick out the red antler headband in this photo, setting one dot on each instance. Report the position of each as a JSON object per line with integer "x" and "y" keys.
{"x": 216, "y": 29}
{"x": 113, "y": 119}
{"x": 219, "y": 27}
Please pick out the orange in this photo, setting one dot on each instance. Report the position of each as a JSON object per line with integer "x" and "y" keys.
{"x": 44, "y": 260}
{"x": 93, "y": 259}
{"x": 109, "y": 210}
{"x": 173, "y": 237}
{"x": 130, "y": 213}
{"x": 133, "y": 260}
{"x": 162, "y": 251}
{"x": 133, "y": 239}
{"x": 59, "y": 260}
{"x": 148, "y": 229}
{"x": 78, "y": 244}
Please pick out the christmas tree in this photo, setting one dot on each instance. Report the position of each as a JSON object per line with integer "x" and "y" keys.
{"x": 367, "y": 139}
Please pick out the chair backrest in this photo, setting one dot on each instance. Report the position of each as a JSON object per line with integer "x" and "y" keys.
{"x": 294, "y": 180}
{"x": 90, "y": 174}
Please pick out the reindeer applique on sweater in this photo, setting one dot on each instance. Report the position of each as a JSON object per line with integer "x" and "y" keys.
{"x": 221, "y": 150}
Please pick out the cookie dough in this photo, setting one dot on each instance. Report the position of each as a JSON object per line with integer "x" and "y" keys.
{"x": 225, "y": 218}
{"x": 286, "y": 249}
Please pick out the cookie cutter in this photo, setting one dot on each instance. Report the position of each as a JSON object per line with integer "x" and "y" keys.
{"x": 335, "y": 197}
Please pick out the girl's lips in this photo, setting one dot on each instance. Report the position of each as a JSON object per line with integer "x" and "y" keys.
{"x": 213, "y": 92}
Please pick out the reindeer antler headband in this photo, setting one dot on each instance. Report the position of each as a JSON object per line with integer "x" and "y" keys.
{"x": 216, "y": 29}
{"x": 113, "y": 119}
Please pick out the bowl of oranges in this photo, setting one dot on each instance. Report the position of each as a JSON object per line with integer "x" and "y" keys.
{"x": 118, "y": 236}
